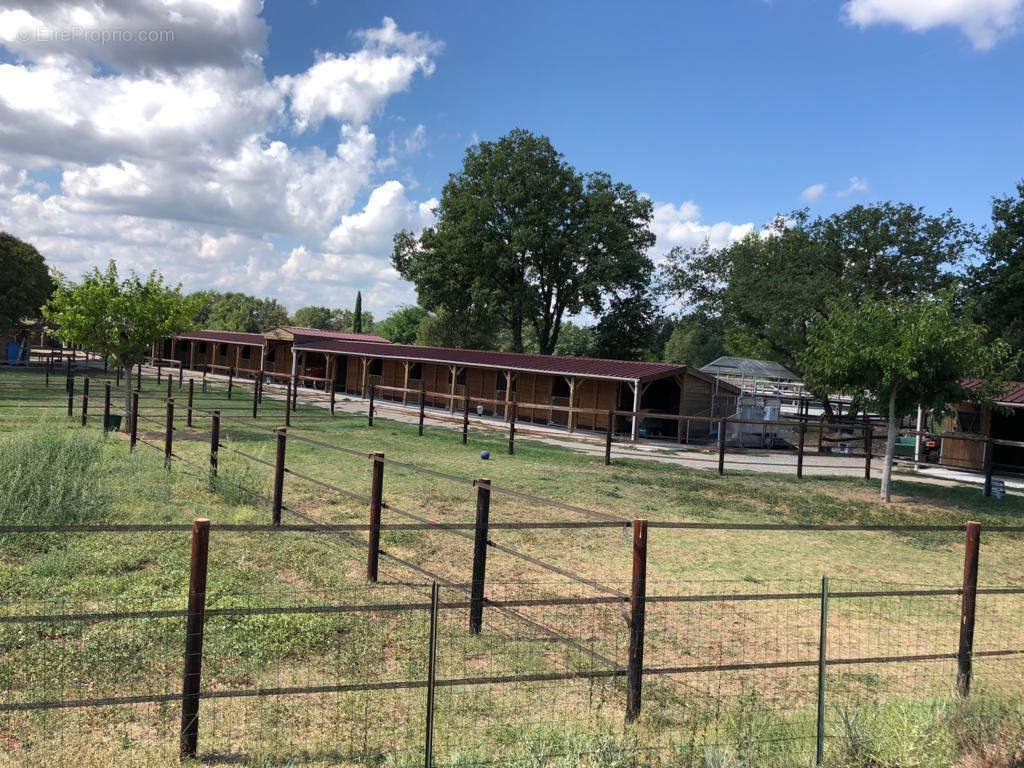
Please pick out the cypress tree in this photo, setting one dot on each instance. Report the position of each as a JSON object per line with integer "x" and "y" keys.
{"x": 357, "y": 316}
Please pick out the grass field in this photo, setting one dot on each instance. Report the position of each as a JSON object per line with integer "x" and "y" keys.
{"x": 881, "y": 715}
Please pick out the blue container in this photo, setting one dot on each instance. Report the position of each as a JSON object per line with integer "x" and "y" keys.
{"x": 485, "y": 455}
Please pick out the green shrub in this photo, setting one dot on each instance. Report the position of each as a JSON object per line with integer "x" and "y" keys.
{"x": 51, "y": 476}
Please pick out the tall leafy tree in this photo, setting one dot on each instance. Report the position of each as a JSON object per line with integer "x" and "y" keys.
{"x": 402, "y": 325}
{"x": 696, "y": 340}
{"x": 119, "y": 318}
{"x": 357, "y": 315}
{"x": 522, "y": 239}
{"x": 240, "y": 312}
{"x": 315, "y": 317}
{"x": 769, "y": 286}
{"x": 901, "y": 353}
{"x": 25, "y": 282}
{"x": 997, "y": 285}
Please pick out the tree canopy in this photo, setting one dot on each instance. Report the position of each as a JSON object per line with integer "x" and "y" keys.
{"x": 900, "y": 353}
{"x": 997, "y": 285}
{"x": 25, "y": 282}
{"x": 239, "y": 312}
{"x": 402, "y": 325}
{"x": 522, "y": 240}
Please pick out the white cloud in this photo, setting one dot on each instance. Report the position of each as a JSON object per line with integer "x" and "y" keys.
{"x": 813, "y": 192}
{"x": 856, "y": 186}
{"x": 984, "y": 22}
{"x": 680, "y": 226}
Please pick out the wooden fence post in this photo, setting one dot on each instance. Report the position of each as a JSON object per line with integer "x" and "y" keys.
{"x": 968, "y": 604}
{"x": 85, "y": 401}
{"x": 987, "y": 488}
{"x": 295, "y": 392}
{"x": 255, "y": 398}
{"x": 117, "y": 374}
{"x": 483, "y": 511}
{"x": 67, "y": 374}
{"x": 138, "y": 377}
{"x": 465, "y": 420}
{"x": 169, "y": 433}
{"x": 181, "y": 373}
{"x": 214, "y": 441}
{"x": 191, "y": 393}
{"x": 821, "y": 432}
{"x": 819, "y": 757}
{"x": 423, "y": 405}
{"x": 637, "y": 607}
{"x": 106, "y": 407}
{"x": 158, "y": 371}
{"x": 514, "y": 413}
{"x": 369, "y": 417}
{"x": 869, "y": 435}
{"x": 133, "y": 420}
{"x": 231, "y": 381}
{"x": 608, "y": 439}
{"x": 428, "y": 747}
{"x": 170, "y": 394}
{"x": 332, "y": 398}
{"x": 376, "y": 499}
{"x": 282, "y": 439}
{"x": 800, "y": 449}
{"x": 71, "y": 396}
{"x": 205, "y": 368}
{"x": 722, "y": 423}
{"x": 194, "y": 638}
{"x": 49, "y": 365}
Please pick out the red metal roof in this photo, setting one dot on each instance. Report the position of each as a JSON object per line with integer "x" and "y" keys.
{"x": 1014, "y": 394}
{"x": 229, "y": 337}
{"x": 318, "y": 333}
{"x": 588, "y": 367}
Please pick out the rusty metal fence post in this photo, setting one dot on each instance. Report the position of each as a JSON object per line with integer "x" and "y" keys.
{"x": 423, "y": 405}
{"x": 465, "y": 420}
{"x": 214, "y": 442}
{"x": 169, "y": 433}
{"x": 721, "y": 445}
{"x": 369, "y": 417}
{"x": 968, "y": 606}
{"x": 513, "y": 415}
{"x": 819, "y": 753}
{"x": 106, "y": 407}
{"x": 133, "y": 420}
{"x": 376, "y": 499}
{"x": 231, "y": 381}
{"x": 170, "y": 394}
{"x": 288, "y": 404}
{"x": 181, "y": 373}
{"x": 800, "y": 450}
{"x": 282, "y": 442}
{"x": 608, "y": 439}
{"x": 255, "y": 398}
{"x": 194, "y": 638}
{"x": 191, "y": 394}
{"x": 85, "y": 401}
{"x": 476, "y": 599}
{"x": 138, "y": 377}
{"x": 428, "y": 746}
{"x": 869, "y": 436}
{"x": 332, "y": 398}
{"x": 637, "y": 608}
{"x": 987, "y": 488}
{"x": 71, "y": 395}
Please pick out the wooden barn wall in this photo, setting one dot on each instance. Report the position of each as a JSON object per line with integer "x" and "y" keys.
{"x": 969, "y": 454}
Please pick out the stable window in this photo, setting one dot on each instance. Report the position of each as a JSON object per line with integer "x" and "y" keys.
{"x": 271, "y": 355}
{"x": 416, "y": 371}
{"x": 202, "y": 347}
{"x": 559, "y": 387}
{"x": 376, "y": 367}
{"x": 969, "y": 421}
{"x": 246, "y": 353}
{"x": 223, "y": 350}
{"x": 462, "y": 377}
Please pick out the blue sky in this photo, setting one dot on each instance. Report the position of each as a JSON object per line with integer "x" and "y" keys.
{"x": 276, "y": 149}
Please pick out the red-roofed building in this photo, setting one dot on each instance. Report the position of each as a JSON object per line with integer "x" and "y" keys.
{"x": 1005, "y": 422}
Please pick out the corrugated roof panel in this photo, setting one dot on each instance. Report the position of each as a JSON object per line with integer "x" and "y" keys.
{"x": 1014, "y": 394}
{"x": 622, "y": 370}
{"x": 747, "y": 367}
{"x": 319, "y": 333}
{"x": 228, "y": 337}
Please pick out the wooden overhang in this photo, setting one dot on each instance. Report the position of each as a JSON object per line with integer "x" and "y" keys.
{"x": 298, "y": 334}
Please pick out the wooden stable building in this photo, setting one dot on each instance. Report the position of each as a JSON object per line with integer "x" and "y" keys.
{"x": 1004, "y": 422}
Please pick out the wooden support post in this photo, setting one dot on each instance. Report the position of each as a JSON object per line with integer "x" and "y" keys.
{"x": 369, "y": 413}
{"x": 71, "y": 396}
{"x": 513, "y": 413}
{"x": 800, "y": 450}
{"x": 194, "y": 638}
{"x": 85, "y": 400}
{"x": 191, "y": 395}
{"x": 282, "y": 440}
{"x": 376, "y": 499}
{"x": 608, "y": 439}
{"x": 987, "y": 488}
{"x": 428, "y": 747}
{"x": 968, "y": 606}
{"x": 106, "y": 407}
{"x": 465, "y": 420}
{"x": 405, "y": 383}
{"x": 483, "y": 511}
{"x": 191, "y": 355}
{"x": 423, "y": 405}
{"x": 133, "y": 420}
{"x": 214, "y": 441}
{"x": 637, "y": 607}
{"x": 288, "y": 405}
{"x": 819, "y": 758}
{"x": 722, "y": 426}
{"x": 169, "y": 433}
{"x": 868, "y": 440}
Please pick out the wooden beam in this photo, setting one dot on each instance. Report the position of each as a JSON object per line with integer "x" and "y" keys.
{"x": 682, "y": 406}
{"x": 572, "y": 401}
{"x": 405, "y": 382}
{"x": 192, "y": 354}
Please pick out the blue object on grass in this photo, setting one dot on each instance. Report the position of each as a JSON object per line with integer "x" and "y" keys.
{"x": 485, "y": 455}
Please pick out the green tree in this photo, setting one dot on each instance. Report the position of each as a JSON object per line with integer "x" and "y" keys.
{"x": 522, "y": 239}
{"x": 575, "y": 340}
{"x": 997, "y": 285}
{"x": 25, "y": 282}
{"x": 315, "y": 317}
{"x": 629, "y": 329}
{"x": 357, "y": 315}
{"x": 402, "y": 325}
{"x": 696, "y": 340}
{"x": 118, "y": 318}
{"x": 902, "y": 353}
{"x": 238, "y": 312}
{"x": 767, "y": 287}
{"x": 455, "y": 330}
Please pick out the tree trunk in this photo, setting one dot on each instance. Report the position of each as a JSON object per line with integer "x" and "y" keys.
{"x": 890, "y": 448}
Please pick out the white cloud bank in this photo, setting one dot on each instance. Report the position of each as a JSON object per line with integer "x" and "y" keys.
{"x": 984, "y": 22}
